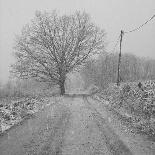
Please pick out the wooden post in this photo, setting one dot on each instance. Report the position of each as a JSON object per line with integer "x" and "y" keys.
{"x": 119, "y": 59}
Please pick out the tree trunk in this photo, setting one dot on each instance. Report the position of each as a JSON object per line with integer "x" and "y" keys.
{"x": 62, "y": 88}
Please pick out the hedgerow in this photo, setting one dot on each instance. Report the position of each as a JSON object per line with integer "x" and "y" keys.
{"x": 135, "y": 100}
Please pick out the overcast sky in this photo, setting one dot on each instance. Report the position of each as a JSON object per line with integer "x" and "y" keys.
{"x": 110, "y": 15}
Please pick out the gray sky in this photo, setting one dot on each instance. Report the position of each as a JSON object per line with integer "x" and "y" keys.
{"x": 110, "y": 15}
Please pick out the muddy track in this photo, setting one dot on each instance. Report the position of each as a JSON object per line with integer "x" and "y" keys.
{"x": 114, "y": 144}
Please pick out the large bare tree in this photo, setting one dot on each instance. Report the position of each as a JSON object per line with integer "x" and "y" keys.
{"x": 51, "y": 46}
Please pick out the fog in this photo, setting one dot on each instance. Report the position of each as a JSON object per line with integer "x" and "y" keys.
{"x": 110, "y": 15}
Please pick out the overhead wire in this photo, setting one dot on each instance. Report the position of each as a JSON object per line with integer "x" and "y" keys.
{"x": 121, "y": 35}
{"x": 117, "y": 41}
{"x": 136, "y": 29}
{"x": 115, "y": 45}
{"x": 133, "y": 30}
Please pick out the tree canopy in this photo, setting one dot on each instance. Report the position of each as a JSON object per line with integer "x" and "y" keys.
{"x": 51, "y": 46}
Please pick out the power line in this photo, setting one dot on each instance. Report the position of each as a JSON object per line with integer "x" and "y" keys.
{"x": 117, "y": 41}
{"x": 120, "y": 39}
{"x": 136, "y": 29}
{"x": 115, "y": 45}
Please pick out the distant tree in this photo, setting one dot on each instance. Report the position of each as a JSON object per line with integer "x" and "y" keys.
{"x": 52, "y": 46}
{"x": 103, "y": 70}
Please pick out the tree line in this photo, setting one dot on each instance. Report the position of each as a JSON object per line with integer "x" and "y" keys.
{"x": 103, "y": 70}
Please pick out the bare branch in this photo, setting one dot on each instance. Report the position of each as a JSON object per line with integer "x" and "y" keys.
{"x": 52, "y": 46}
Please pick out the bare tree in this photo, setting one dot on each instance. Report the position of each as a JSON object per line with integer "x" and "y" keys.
{"x": 103, "y": 70}
{"x": 52, "y": 46}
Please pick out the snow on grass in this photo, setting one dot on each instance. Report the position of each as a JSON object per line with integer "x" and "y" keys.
{"x": 13, "y": 112}
{"x": 134, "y": 103}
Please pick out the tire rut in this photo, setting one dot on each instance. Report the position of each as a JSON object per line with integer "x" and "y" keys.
{"x": 51, "y": 140}
{"x": 114, "y": 144}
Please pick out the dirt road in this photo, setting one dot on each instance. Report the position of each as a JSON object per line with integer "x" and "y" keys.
{"x": 41, "y": 135}
{"x": 77, "y": 125}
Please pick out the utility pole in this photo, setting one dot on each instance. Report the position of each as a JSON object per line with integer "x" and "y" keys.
{"x": 119, "y": 59}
